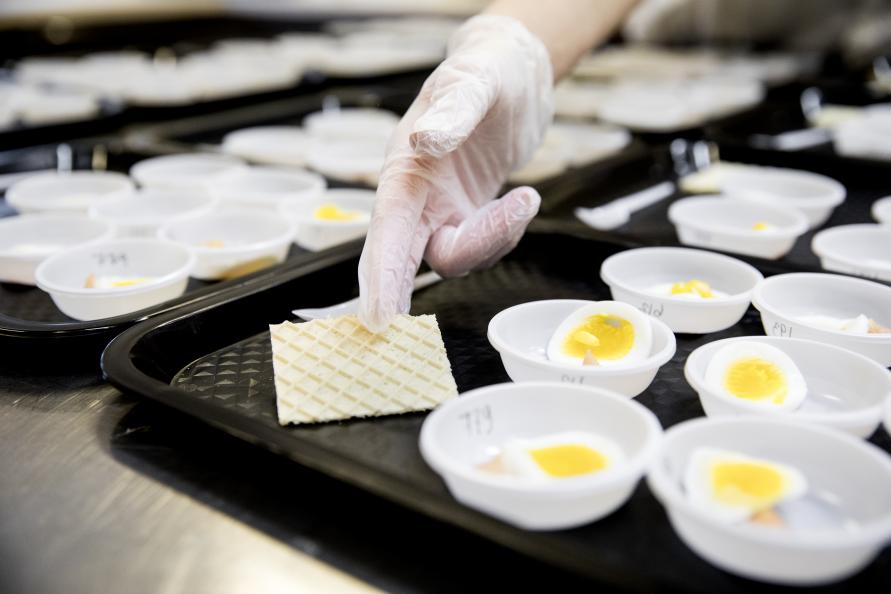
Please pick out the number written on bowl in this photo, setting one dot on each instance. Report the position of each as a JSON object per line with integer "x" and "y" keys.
{"x": 653, "y": 309}
{"x": 110, "y": 258}
{"x": 781, "y": 329}
{"x": 478, "y": 421}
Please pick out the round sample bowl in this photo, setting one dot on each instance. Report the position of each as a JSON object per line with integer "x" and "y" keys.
{"x": 864, "y": 250}
{"x": 267, "y": 187}
{"x": 357, "y": 161}
{"x": 71, "y": 191}
{"x": 143, "y": 213}
{"x": 351, "y": 123}
{"x": 783, "y": 299}
{"x": 229, "y": 243}
{"x": 849, "y": 479}
{"x": 727, "y": 224}
{"x": 631, "y": 273}
{"x": 313, "y": 234}
{"x": 64, "y": 275}
{"x": 454, "y": 449}
{"x": 845, "y": 391}
{"x": 28, "y": 240}
{"x": 881, "y": 210}
{"x": 812, "y": 194}
{"x": 184, "y": 172}
{"x": 521, "y": 334}
{"x": 269, "y": 145}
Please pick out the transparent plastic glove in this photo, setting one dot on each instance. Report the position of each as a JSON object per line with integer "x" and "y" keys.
{"x": 481, "y": 114}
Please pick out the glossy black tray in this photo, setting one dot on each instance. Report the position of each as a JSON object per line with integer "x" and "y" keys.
{"x": 865, "y": 183}
{"x": 213, "y": 361}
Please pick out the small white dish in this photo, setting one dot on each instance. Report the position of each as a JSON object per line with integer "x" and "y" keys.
{"x": 314, "y": 234}
{"x": 550, "y": 160}
{"x": 589, "y": 143}
{"x": 631, "y": 274}
{"x": 844, "y": 519}
{"x": 185, "y": 171}
{"x": 269, "y": 145}
{"x": 864, "y": 250}
{"x": 521, "y": 334}
{"x": 812, "y": 194}
{"x": 349, "y": 123}
{"x": 784, "y": 299}
{"x": 353, "y": 161}
{"x": 728, "y": 224}
{"x": 227, "y": 242}
{"x": 881, "y": 210}
{"x": 865, "y": 136}
{"x": 845, "y": 390}
{"x": 462, "y": 433}
{"x": 72, "y": 191}
{"x": 267, "y": 187}
{"x": 64, "y": 276}
{"x": 28, "y": 240}
{"x": 143, "y": 213}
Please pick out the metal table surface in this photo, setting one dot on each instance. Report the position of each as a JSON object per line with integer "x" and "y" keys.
{"x": 103, "y": 492}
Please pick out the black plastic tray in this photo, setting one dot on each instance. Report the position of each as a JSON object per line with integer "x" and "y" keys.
{"x": 865, "y": 182}
{"x": 213, "y": 362}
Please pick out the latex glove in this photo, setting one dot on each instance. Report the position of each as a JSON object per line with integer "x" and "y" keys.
{"x": 481, "y": 114}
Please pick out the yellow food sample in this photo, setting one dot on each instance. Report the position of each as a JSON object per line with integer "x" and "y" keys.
{"x": 332, "y": 212}
{"x": 754, "y": 485}
{"x": 761, "y": 226}
{"x": 213, "y": 243}
{"x": 568, "y": 460}
{"x": 756, "y": 379}
{"x": 698, "y": 287}
{"x": 603, "y": 336}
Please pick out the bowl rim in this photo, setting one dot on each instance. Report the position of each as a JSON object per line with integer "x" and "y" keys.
{"x": 285, "y": 237}
{"x": 882, "y": 204}
{"x": 634, "y": 468}
{"x": 799, "y": 226}
{"x": 862, "y": 414}
{"x": 137, "y": 171}
{"x": 668, "y": 492}
{"x": 819, "y": 247}
{"x": 654, "y": 360}
{"x": 312, "y": 181}
{"x": 763, "y": 306}
{"x": 30, "y": 202}
{"x": 608, "y": 276}
{"x": 835, "y": 192}
{"x": 207, "y": 204}
{"x": 174, "y": 276}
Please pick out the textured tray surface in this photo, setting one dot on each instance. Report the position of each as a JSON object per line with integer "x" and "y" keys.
{"x": 634, "y": 547}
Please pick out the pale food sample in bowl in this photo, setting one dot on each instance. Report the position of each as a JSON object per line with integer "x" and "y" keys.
{"x": 857, "y": 325}
{"x": 692, "y": 289}
{"x": 606, "y": 333}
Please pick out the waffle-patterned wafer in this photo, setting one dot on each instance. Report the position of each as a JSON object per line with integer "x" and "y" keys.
{"x": 327, "y": 370}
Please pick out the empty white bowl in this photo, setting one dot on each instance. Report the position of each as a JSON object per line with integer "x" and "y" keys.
{"x": 461, "y": 434}
{"x": 864, "y": 250}
{"x": 184, "y": 172}
{"x": 65, "y": 274}
{"x": 269, "y": 145}
{"x": 350, "y": 123}
{"x": 812, "y": 194}
{"x": 881, "y": 210}
{"x": 631, "y": 274}
{"x": 845, "y": 390}
{"x": 783, "y": 299}
{"x": 71, "y": 191}
{"x": 727, "y": 224}
{"x": 849, "y": 495}
{"x": 313, "y": 234}
{"x": 27, "y": 240}
{"x": 521, "y": 333}
{"x": 143, "y": 213}
{"x": 267, "y": 187}
{"x": 227, "y": 242}
{"x": 354, "y": 161}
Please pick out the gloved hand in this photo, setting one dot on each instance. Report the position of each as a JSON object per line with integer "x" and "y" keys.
{"x": 481, "y": 114}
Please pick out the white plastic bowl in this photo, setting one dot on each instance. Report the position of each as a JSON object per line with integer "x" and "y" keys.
{"x": 27, "y": 240}
{"x": 784, "y": 298}
{"x": 864, "y": 250}
{"x": 631, "y": 273}
{"x": 143, "y": 213}
{"x": 726, "y": 224}
{"x": 63, "y": 276}
{"x": 350, "y": 123}
{"x": 315, "y": 235}
{"x": 521, "y": 334}
{"x": 184, "y": 172}
{"x": 72, "y": 191}
{"x": 841, "y": 470}
{"x": 812, "y": 194}
{"x": 247, "y": 235}
{"x": 845, "y": 390}
{"x": 269, "y": 145}
{"x": 453, "y": 448}
{"x": 881, "y": 210}
{"x": 353, "y": 161}
{"x": 267, "y": 187}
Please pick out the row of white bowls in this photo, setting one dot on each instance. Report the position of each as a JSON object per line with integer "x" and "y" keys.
{"x": 855, "y": 473}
